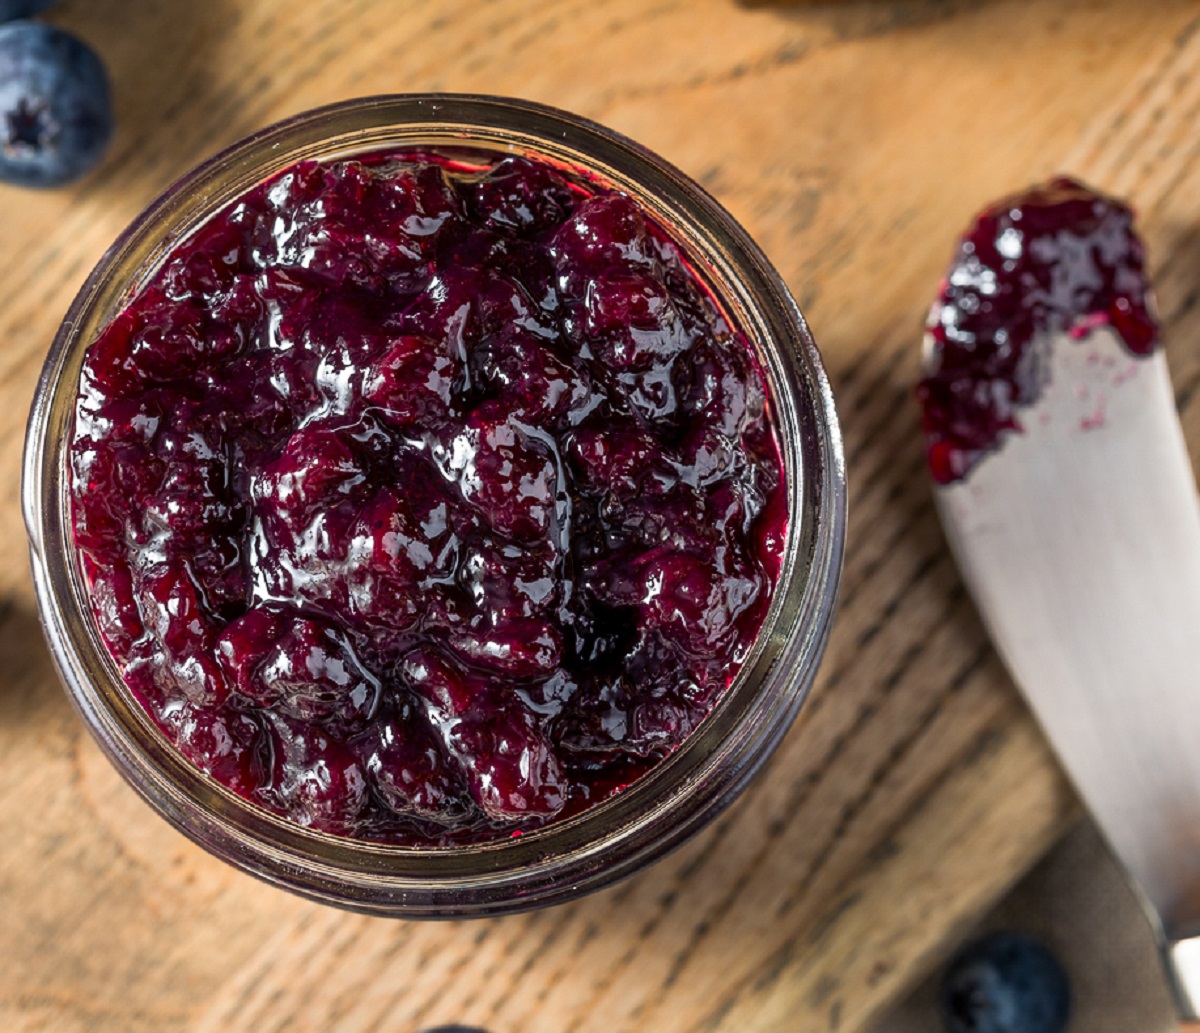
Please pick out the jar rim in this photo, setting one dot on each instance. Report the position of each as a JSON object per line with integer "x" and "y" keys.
{"x": 613, "y": 837}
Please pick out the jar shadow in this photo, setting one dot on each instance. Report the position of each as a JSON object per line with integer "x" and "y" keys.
{"x": 31, "y": 694}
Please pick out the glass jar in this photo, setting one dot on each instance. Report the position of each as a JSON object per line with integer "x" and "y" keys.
{"x": 611, "y": 839}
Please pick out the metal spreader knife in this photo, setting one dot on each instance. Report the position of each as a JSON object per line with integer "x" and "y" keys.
{"x": 1067, "y": 496}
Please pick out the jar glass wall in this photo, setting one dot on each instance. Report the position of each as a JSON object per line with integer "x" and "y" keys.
{"x": 610, "y": 839}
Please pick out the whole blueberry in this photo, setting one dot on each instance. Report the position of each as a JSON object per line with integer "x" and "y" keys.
{"x": 1005, "y": 983}
{"x": 455, "y": 1029}
{"x": 12, "y": 9}
{"x": 55, "y": 112}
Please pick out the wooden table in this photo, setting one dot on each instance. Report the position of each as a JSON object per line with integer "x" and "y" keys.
{"x": 854, "y": 140}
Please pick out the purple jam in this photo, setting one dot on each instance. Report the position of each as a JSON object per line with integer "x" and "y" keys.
{"x": 426, "y": 500}
{"x": 1059, "y": 258}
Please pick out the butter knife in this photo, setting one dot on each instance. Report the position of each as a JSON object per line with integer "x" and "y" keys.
{"x": 1068, "y": 499}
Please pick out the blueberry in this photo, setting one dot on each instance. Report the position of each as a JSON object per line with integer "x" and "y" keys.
{"x": 55, "y": 112}
{"x": 455, "y": 1029}
{"x": 10, "y": 10}
{"x": 1005, "y": 983}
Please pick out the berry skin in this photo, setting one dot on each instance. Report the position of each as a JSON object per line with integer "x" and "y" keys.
{"x": 11, "y": 10}
{"x": 521, "y": 196}
{"x": 55, "y": 112}
{"x": 1005, "y": 983}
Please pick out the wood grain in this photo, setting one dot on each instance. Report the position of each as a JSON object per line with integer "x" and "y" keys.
{"x": 1079, "y": 904}
{"x": 854, "y": 140}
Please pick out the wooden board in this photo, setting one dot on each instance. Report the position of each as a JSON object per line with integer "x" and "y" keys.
{"x": 854, "y": 140}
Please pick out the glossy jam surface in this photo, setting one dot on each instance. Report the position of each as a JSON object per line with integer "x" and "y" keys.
{"x": 426, "y": 500}
{"x": 1058, "y": 258}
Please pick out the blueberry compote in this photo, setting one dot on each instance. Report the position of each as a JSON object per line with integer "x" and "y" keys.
{"x": 1059, "y": 258}
{"x": 426, "y": 499}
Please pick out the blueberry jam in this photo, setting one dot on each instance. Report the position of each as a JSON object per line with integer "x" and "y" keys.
{"x": 426, "y": 499}
{"x": 1058, "y": 258}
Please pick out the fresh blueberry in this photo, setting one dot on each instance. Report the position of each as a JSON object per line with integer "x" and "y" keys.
{"x": 55, "y": 112}
{"x": 455, "y": 1029}
{"x": 1005, "y": 983}
{"x": 10, "y": 10}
